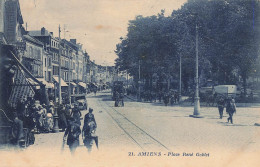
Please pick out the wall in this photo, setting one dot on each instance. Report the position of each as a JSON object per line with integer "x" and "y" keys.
{"x": 2, "y": 10}
{"x": 10, "y": 20}
{"x": 33, "y": 59}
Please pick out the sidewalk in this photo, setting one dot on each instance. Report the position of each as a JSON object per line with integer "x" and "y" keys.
{"x": 186, "y": 103}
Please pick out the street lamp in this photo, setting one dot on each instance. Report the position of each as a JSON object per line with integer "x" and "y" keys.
{"x": 180, "y": 81}
{"x": 59, "y": 67}
{"x": 196, "y": 113}
{"x": 56, "y": 117}
{"x": 69, "y": 77}
{"x": 139, "y": 82}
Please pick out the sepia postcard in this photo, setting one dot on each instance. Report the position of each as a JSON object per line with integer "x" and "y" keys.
{"x": 129, "y": 83}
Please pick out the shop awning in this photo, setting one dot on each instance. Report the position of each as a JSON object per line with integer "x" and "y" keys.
{"x": 48, "y": 85}
{"x": 33, "y": 83}
{"x": 82, "y": 84}
{"x": 72, "y": 83}
{"x": 63, "y": 83}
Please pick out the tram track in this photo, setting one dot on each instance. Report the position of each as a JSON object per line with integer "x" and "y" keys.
{"x": 139, "y": 136}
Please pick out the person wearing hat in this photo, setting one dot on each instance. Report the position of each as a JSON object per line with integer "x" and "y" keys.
{"x": 71, "y": 134}
{"x": 88, "y": 131}
{"x": 221, "y": 106}
{"x": 76, "y": 113}
{"x": 62, "y": 117}
{"x": 89, "y": 117}
{"x": 51, "y": 108}
{"x": 231, "y": 109}
{"x": 39, "y": 118}
{"x": 18, "y": 124}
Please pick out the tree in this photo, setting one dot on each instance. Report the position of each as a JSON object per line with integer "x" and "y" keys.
{"x": 228, "y": 42}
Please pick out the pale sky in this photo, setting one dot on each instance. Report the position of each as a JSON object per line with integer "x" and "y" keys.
{"x": 97, "y": 24}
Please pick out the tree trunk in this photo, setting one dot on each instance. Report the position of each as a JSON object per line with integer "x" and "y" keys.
{"x": 244, "y": 85}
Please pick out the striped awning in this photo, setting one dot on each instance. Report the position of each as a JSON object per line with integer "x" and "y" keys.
{"x": 21, "y": 88}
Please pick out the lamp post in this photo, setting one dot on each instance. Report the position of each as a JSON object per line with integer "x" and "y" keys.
{"x": 139, "y": 82}
{"x": 127, "y": 82}
{"x": 196, "y": 113}
{"x": 59, "y": 68}
{"x": 69, "y": 78}
{"x": 56, "y": 117}
{"x": 180, "y": 81}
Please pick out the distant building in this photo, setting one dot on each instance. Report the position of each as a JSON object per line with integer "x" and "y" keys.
{"x": 51, "y": 46}
{"x": 33, "y": 58}
{"x": 2, "y": 21}
{"x": 13, "y": 21}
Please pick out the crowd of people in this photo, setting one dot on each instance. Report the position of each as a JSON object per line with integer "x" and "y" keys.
{"x": 34, "y": 117}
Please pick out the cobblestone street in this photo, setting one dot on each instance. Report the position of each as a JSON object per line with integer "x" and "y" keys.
{"x": 152, "y": 127}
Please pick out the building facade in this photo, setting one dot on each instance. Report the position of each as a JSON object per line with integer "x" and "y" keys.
{"x": 33, "y": 58}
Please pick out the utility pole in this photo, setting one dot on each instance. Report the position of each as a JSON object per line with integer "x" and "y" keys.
{"x": 69, "y": 76}
{"x": 64, "y": 31}
{"x": 139, "y": 83}
{"x": 106, "y": 75}
{"x": 56, "y": 117}
{"x": 59, "y": 68}
{"x": 180, "y": 81}
{"x": 196, "y": 113}
{"x": 127, "y": 79}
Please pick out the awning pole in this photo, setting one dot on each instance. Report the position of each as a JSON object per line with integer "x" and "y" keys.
{"x": 59, "y": 68}
{"x": 69, "y": 80}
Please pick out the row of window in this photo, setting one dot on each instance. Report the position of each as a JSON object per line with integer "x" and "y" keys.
{"x": 55, "y": 57}
{"x": 54, "y": 44}
{"x": 34, "y": 53}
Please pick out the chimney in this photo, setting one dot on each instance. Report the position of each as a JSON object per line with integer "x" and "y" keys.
{"x": 43, "y": 31}
{"x": 73, "y": 41}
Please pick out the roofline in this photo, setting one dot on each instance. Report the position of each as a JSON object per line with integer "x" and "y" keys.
{"x": 19, "y": 13}
{"x": 36, "y": 40}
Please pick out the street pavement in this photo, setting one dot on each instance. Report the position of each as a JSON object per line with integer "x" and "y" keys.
{"x": 125, "y": 133}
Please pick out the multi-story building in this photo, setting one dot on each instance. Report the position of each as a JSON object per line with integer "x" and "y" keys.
{"x": 33, "y": 58}
{"x": 85, "y": 68}
{"x": 13, "y": 21}
{"x": 66, "y": 58}
{"x": 77, "y": 61}
{"x": 2, "y": 21}
{"x": 80, "y": 61}
{"x": 51, "y": 46}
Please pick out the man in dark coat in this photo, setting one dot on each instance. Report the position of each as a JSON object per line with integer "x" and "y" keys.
{"x": 88, "y": 131}
{"x": 73, "y": 131}
{"x": 166, "y": 99}
{"x": 62, "y": 117}
{"x": 231, "y": 109}
{"x": 221, "y": 105}
{"x": 76, "y": 113}
{"x": 88, "y": 118}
